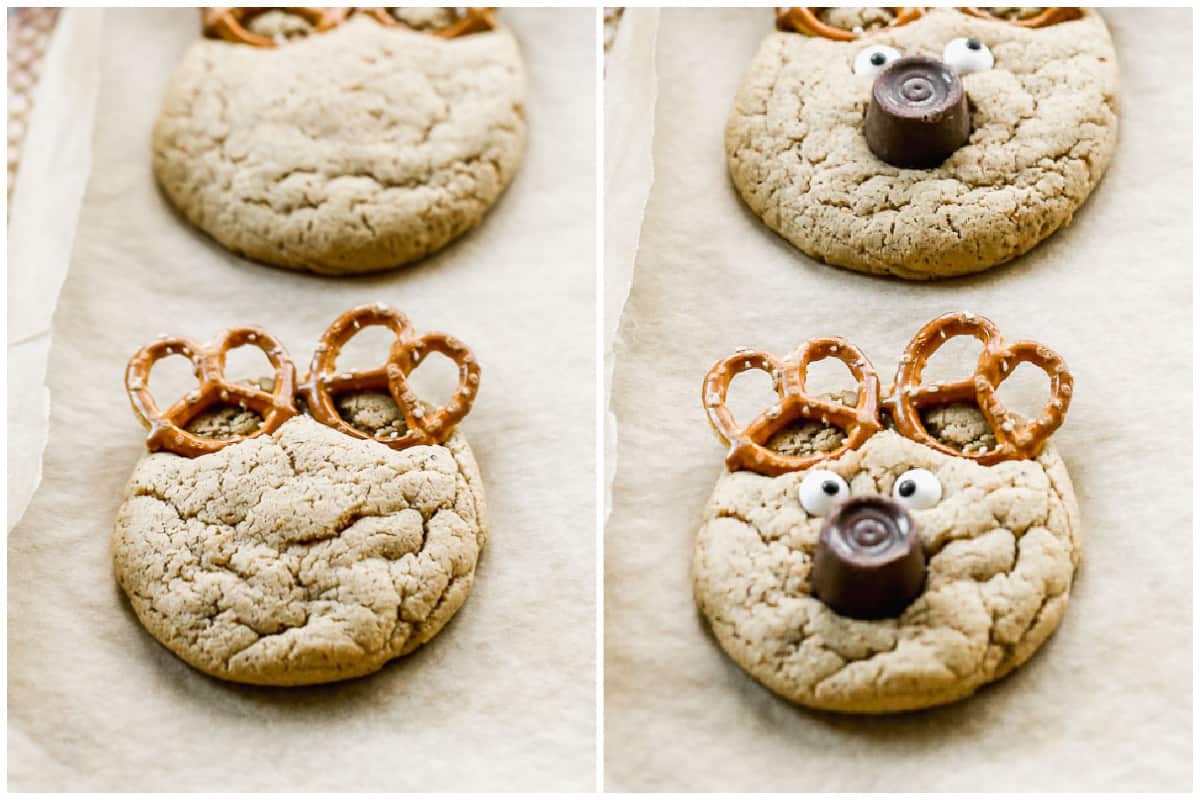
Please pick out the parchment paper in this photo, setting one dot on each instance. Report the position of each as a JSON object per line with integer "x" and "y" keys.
{"x": 55, "y": 160}
{"x": 1106, "y": 704}
{"x": 629, "y": 97}
{"x": 504, "y": 697}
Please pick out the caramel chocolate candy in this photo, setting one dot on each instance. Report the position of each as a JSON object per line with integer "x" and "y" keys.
{"x": 918, "y": 113}
{"x": 869, "y": 562}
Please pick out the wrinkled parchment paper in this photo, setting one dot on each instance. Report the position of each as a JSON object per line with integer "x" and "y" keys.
{"x": 629, "y": 97}
{"x": 55, "y": 159}
{"x": 1106, "y": 704}
{"x": 504, "y": 697}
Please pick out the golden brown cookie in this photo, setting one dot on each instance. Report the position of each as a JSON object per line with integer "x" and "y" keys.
{"x": 1040, "y": 106}
{"x": 348, "y": 150}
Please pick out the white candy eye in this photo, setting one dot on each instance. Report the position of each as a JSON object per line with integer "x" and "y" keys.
{"x": 872, "y": 60}
{"x": 917, "y": 488}
{"x": 821, "y": 490}
{"x": 968, "y": 55}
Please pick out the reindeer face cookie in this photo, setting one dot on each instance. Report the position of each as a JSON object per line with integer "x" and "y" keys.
{"x": 285, "y": 536}
{"x": 341, "y": 141}
{"x": 924, "y": 143}
{"x": 874, "y": 555}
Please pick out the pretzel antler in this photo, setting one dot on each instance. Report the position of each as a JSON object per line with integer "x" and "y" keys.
{"x": 167, "y": 429}
{"x": 747, "y": 446}
{"x": 805, "y": 20}
{"x": 407, "y": 352}
{"x": 229, "y": 23}
{"x": 1047, "y": 16}
{"x": 469, "y": 20}
{"x": 996, "y": 362}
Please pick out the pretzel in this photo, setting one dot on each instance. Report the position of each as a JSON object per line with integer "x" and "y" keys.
{"x": 229, "y": 23}
{"x": 747, "y": 446}
{"x": 470, "y": 20}
{"x": 167, "y": 429}
{"x": 997, "y": 361}
{"x": 407, "y": 352}
{"x": 805, "y": 20}
{"x": 1047, "y": 17}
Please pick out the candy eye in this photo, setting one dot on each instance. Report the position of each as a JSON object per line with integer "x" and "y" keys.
{"x": 917, "y": 488}
{"x": 968, "y": 55}
{"x": 872, "y": 60}
{"x": 821, "y": 490}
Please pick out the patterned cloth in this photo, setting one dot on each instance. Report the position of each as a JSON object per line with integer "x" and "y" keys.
{"x": 29, "y": 32}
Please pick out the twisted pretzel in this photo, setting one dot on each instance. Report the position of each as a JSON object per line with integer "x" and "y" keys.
{"x": 747, "y": 446}
{"x": 407, "y": 352}
{"x": 229, "y": 23}
{"x": 997, "y": 361}
{"x": 470, "y": 20}
{"x": 1048, "y": 16}
{"x": 805, "y": 20}
{"x": 167, "y": 429}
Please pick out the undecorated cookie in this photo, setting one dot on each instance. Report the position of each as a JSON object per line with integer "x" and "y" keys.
{"x": 865, "y": 563}
{"x": 953, "y": 162}
{"x": 351, "y": 149}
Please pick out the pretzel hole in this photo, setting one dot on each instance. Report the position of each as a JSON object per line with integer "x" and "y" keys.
{"x": 806, "y": 437}
{"x": 367, "y": 350}
{"x": 858, "y": 20}
{"x": 226, "y": 420}
{"x": 961, "y": 426}
{"x": 1012, "y": 14}
{"x": 435, "y": 378}
{"x": 830, "y": 377}
{"x": 955, "y": 360}
{"x": 433, "y": 18}
{"x": 1025, "y": 391}
{"x": 750, "y": 393}
{"x": 373, "y": 413}
{"x": 171, "y": 378}
{"x": 245, "y": 363}
{"x": 279, "y": 24}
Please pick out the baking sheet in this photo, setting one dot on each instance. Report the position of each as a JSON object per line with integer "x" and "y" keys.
{"x": 1106, "y": 704}
{"x": 504, "y": 697}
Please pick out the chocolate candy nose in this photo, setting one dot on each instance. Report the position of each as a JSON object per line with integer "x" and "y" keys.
{"x": 918, "y": 113}
{"x": 869, "y": 562}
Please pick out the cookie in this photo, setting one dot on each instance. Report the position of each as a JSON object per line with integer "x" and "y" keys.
{"x": 866, "y": 159}
{"x": 351, "y": 146}
{"x": 869, "y": 563}
{"x": 296, "y": 553}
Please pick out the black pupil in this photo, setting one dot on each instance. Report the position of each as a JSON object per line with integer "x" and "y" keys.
{"x": 878, "y": 58}
{"x": 907, "y": 488}
{"x": 974, "y": 44}
{"x": 830, "y": 488}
